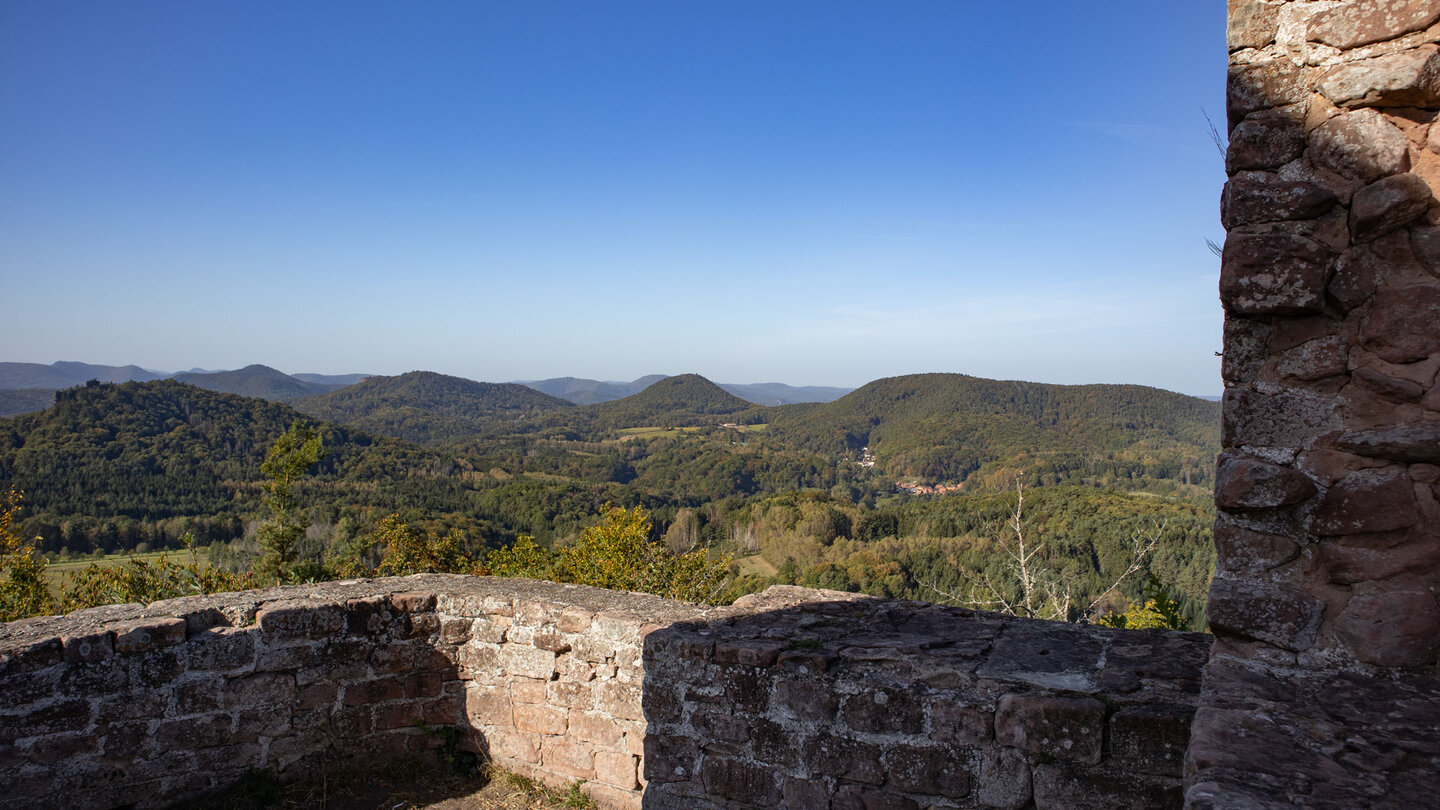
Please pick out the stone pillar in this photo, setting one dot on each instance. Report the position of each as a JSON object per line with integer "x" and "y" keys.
{"x": 1328, "y": 489}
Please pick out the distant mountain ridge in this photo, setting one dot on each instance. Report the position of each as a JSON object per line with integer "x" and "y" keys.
{"x": 423, "y": 406}
{"x": 583, "y": 391}
{"x": 67, "y": 374}
{"x": 255, "y": 380}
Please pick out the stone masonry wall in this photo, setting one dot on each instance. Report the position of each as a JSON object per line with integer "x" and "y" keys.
{"x": 1322, "y": 691}
{"x": 810, "y": 699}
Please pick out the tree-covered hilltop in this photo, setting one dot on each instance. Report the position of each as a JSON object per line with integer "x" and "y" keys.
{"x": 682, "y": 400}
{"x": 426, "y": 407}
{"x": 254, "y": 381}
{"x": 948, "y": 427}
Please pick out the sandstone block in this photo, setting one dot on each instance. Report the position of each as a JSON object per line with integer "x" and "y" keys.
{"x": 1413, "y": 442}
{"x": 290, "y": 620}
{"x": 748, "y": 652}
{"x": 856, "y": 761}
{"x": 527, "y": 662}
{"x": 1250, "y": 24}
{"x": 367, "y": 616}
{"x": 1361, "y": 145}
{"x": 221, "y": 648}
{"x": 854, "y": 797}
{"x": 1064, "y": 728}
{"x": 541, "y": 719}
{"x": 1387, "y": 387}
{"x": 1254, "y": 197}
{"x": 619, "y": 700}
{"x": 1077, "y": 788}
{"x": 574, "y": 620}
{"x": 260, "y": 689}
{"x": 1405, "y": 79}
{"x": 1426, "y": 242}
{"x": 315, "y": 696}
{"x": 1285, "y": 419}
{"x": 1246, "y": 349}
{"x": 670, "y": 758}
{"x": 488, "y": 705}
{"x": 1281, "y": 616}
{"x": 594, "y": 728}
{"x": 885, "y": 711}
{"x": 571, "y": 694}
{"x": 1394, "y": 629}
{"x": 933, "y": 771}
{"x": 60, "y": 716}
{"x": 1386, "y": 205}
{"x": 413, "y": 601}
{"x": 1362, "y": 22}
{"x": 740, "y": 781}
{"x": 144, "y": 635}
{"x": 526, "y": 690}
{"x": 1252, "y": 88}
{"x": 519, "y": 746}
{"x": 960, "y": 723}
{"x": 1315, "y": 359}
{"x": 552, "y": 642}
{"x": 1242, "y": 551}
{"x": 375, "y": 691}
{"x": 1273, "y": 274}
{"x": 1264, "y": 143}
{"x": 1151, "y": 739}
{"x": 200, "y": 695}
{"x": 1371, "y": 557}
{"x": 1401, "y": 326}
{"x": 1244, "y": 483}
{"x": 88, "y": 648}
{"x": 575, "y": 760}
{"x": 805, "y": 793}
{"x": 616, "y": 768}
{"x": 1366, "y": 501}
{"x": 193, "y": 733}
{"x": 1356, "y": 275}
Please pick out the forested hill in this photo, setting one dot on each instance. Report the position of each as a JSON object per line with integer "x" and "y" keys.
{"x": 161, "y": 449}
{"x": 947, "y": 427}
{"x": 423, "y": 406}
{"x": 685, "y": 399}
{"x": 254, "y": 381}
{"x": 589, "y": 392}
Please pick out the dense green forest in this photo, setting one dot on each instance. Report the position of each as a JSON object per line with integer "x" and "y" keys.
{"x": 139, "y": 465}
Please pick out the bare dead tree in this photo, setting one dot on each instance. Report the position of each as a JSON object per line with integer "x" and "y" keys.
{"x": 1030, "y": 588}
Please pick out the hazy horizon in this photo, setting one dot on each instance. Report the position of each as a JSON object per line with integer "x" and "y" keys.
{"x": 814, "y": 193}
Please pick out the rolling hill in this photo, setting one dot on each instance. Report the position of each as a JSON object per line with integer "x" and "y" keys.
{"x": 254, "y": 381}
{"x": 946, "y": 427}
{"x": 591, "y": 392}
{"x": 685, "y": 399}
{"x": 423, "y": 406}
{"x": 66, "y": 374}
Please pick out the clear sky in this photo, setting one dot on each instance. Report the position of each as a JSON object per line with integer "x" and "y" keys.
{"x": 818, "y": 193}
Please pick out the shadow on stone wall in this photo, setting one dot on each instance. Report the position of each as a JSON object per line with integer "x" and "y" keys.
{"x": 813, "y": 699}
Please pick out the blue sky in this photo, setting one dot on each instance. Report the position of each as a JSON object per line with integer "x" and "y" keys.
{"x": 819, "y": 193}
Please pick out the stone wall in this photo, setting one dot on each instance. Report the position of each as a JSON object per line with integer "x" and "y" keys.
{"x": 808, "y": 697}
{"x": 1324, "y": 600}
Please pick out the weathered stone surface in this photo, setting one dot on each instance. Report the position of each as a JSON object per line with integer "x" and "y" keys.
{"x": 836, "y": 756}
{"x": 1384, "y": 385}
{"x": 1274, "y": 274}
{"x": 1356, "y": 275}
{"x": 1371, "y": 557}
{"x": 885, "y": 711}
{"x": 1361, "y": 22}
{"x": 1245, "y": 483}
{"x": 1242, "y": 551}
{"x": 1254, "y": 197}
{"x": 144, "y": 635}
{"x": 1414, "y": 442}
{"x": 1152, "y": 738}
{"x": 1264, "y": 143}
{"x": 1065, "y": 728}
{"x": 1406, "y": 79}
{"x": 290, "y": 620}
{"x": 1426, "y": 241}
{"x": 1282, "y": 616}
{"x": 1392, "y": 629}
{"x": 1252, "y": 88}
{"x": 1315, "y": 359}
{"x": 931, "y": 771}
{"x": 1067, "y": 787}
{"x": 1387, "y": 204}
{"x": 1360, "y": 145}
{"x": 1403, "y": 324}
{"x": 1250, "y": 24}
{"x": 1289, "y": 418}
{"x": 1246, "y": 348}
{"x": 1366, "y": 501}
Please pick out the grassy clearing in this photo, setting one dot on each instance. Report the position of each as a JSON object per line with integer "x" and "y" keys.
{"x": 57, "y": 572}
{"x": 755, "y": 565}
